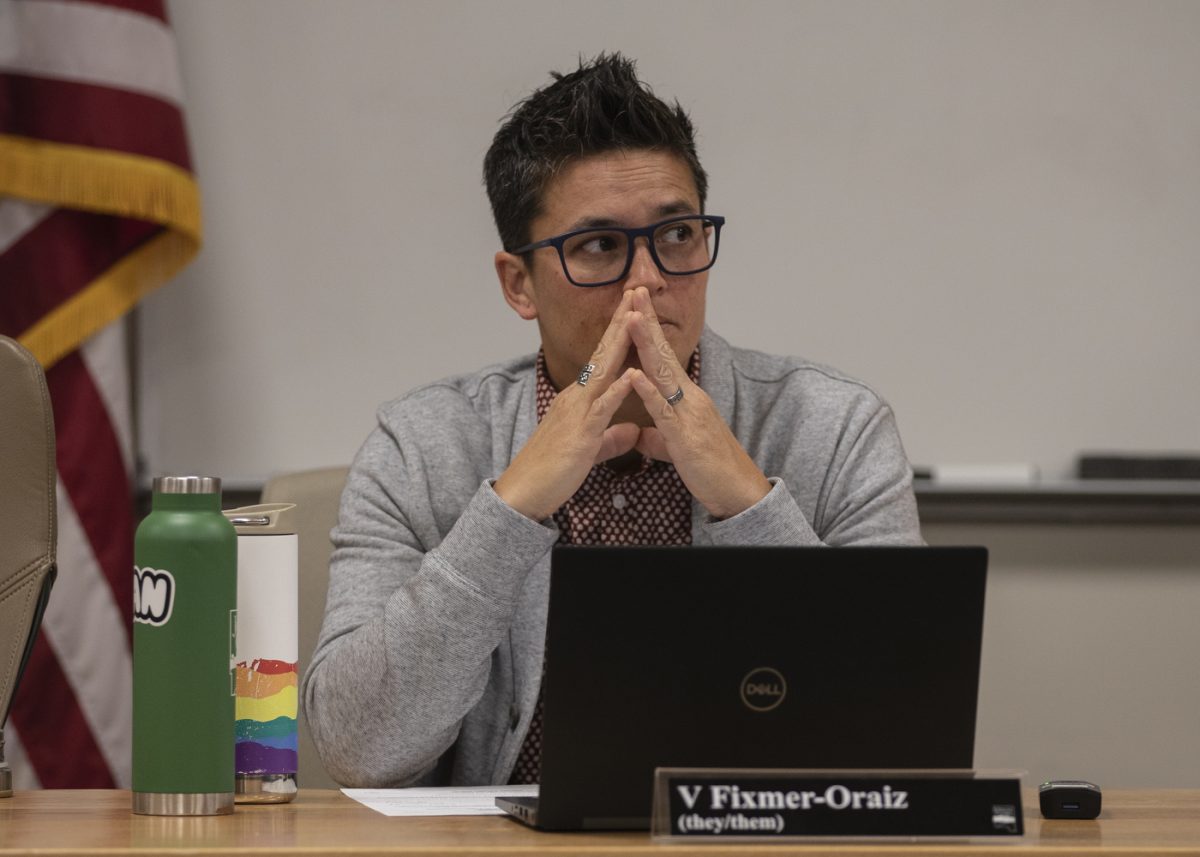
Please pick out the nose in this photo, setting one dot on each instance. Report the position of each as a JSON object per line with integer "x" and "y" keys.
{"x": 643, "y": 271}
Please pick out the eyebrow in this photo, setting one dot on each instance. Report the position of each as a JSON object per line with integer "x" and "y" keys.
{"x": 661, "y": 213}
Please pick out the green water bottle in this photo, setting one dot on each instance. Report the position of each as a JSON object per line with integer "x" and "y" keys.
{"x": 184, "y": 617}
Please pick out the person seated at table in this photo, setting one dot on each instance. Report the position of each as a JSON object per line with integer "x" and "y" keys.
{"x": 633, "y": 424}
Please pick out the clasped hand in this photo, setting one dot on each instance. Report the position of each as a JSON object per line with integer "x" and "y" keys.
{"x": 577, "y": 432}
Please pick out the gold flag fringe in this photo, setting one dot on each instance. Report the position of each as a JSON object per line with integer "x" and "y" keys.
{"x": 112, "y": 183}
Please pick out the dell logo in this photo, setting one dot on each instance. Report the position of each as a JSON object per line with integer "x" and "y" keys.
{"x": 763, "y": 689}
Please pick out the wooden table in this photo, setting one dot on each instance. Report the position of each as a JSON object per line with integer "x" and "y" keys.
{"x": 327, "y": 822}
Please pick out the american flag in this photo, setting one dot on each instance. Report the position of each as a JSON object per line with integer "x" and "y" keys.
{"x": 98, "y": 206}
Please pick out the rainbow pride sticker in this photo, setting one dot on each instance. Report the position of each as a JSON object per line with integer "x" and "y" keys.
{"x": 266, "y": 718}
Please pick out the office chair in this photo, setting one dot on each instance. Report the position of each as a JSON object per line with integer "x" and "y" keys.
{"x": 27, "y": 519}
{"x": 317, "y": 494}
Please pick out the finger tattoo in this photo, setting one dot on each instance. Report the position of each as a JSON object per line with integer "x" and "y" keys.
{"x": 664, "y": 372}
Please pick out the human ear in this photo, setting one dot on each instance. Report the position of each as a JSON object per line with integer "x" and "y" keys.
{"x": 516, "y": 284}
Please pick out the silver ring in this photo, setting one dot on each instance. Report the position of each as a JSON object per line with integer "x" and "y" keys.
{"x": 676, "y": 397}
{"x": 585, "y": 373}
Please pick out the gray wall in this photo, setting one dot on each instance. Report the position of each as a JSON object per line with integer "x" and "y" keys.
{"x": 988, "y": 210}
{"x": 1090, "y": 666}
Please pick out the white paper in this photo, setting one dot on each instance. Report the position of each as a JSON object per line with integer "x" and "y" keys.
{"x": 453, "y": 800}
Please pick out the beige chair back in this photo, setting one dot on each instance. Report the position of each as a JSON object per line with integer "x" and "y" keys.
{"x": 27, "y": 517}
{"x": 316, "y": 494}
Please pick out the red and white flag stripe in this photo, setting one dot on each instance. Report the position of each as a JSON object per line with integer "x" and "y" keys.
{"x": 97, "y": 208}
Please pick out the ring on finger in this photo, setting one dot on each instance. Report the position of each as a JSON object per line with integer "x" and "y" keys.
{"x": 676, "y": 397}
{"x": 585, "y": 374}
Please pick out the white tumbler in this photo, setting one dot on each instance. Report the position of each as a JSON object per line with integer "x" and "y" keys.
{"x": 267, "y": 653}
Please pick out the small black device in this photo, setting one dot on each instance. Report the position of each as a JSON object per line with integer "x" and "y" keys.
{"x": 1069, "y": 799}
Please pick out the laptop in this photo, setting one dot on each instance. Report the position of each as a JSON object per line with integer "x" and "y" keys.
{"x": 746, "y": 657}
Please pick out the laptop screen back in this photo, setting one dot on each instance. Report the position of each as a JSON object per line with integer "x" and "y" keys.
{"x": 752, "y": 657}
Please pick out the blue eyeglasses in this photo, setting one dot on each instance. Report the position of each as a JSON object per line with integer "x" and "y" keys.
{"x": 599, "y": 257}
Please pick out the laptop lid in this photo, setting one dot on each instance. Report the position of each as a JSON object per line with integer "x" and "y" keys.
{"x": 752, "y": 657}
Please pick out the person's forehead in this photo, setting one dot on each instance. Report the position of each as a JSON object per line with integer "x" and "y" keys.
{"x": 620, "y": 185}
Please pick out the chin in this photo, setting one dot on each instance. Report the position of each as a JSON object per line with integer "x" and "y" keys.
{"x": 683, "y": 350}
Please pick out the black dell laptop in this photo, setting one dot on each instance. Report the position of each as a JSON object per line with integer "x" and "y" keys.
{"x": 750, "y": 658}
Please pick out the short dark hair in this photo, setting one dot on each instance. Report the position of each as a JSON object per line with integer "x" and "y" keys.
{"x": 600, "y": 107}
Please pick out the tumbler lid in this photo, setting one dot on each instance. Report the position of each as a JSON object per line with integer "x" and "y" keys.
{"x": 187, "y": 485}
{"x": 268, "y": 519}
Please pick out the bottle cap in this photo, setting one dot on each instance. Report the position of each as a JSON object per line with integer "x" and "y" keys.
{"x": 187, "y": 485}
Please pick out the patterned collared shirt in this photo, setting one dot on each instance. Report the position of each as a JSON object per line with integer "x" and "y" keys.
{"x": 645, "y": 505}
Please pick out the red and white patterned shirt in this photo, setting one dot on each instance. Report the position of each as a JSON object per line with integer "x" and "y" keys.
{"x": 646, "y": 505}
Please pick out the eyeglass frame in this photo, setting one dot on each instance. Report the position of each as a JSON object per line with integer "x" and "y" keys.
{"x": 631, "y": 236}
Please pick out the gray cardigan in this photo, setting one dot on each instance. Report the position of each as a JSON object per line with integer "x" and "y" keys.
{"x": 430, "y": 655}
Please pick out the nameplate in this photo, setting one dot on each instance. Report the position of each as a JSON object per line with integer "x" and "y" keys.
{"x": 777, "y": 804}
